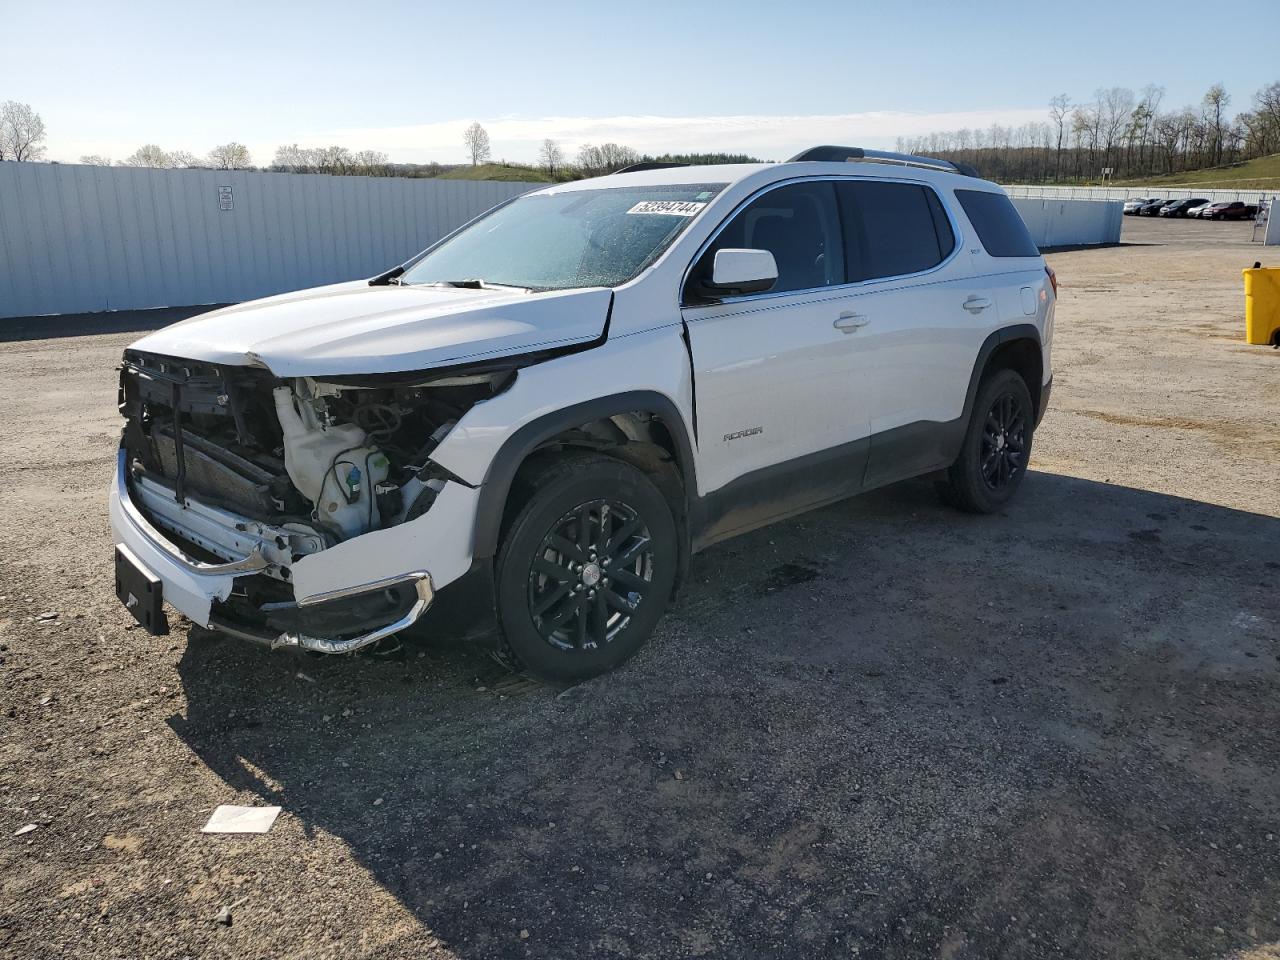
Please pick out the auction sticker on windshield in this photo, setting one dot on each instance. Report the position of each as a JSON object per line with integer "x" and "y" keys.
{"x": 672, "y": 208}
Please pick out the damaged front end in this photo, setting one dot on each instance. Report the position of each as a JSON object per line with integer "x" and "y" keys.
{"x": 291, "y": 512}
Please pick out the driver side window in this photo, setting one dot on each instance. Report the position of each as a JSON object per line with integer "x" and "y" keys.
{"x": 799, "y": 225}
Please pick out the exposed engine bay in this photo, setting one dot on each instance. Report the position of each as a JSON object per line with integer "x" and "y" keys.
{"x": 299, "y": 464}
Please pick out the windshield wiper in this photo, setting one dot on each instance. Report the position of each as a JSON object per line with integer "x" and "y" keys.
{"x": 476, "y": 284}
{"x": 391, "y": 276}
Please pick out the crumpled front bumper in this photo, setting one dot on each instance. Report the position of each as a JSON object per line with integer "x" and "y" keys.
{"x": 421, "y": 556}
{"x": 190, "y": 585}
{"x": 423, "y": 595}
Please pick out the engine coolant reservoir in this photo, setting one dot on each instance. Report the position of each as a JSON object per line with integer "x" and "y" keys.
{"x": 333, "y": 466}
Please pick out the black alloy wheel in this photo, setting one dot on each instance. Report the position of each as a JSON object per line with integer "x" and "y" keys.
{"x": 996, "y": 450}
{"x": 586, "y": 566}
{"x": 1004, "y": 441}
{"x": 590, "y": 575}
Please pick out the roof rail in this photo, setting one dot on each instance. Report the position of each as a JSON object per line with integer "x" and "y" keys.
{"x": 650, "y": 165}
{"x": 832, "y": 154}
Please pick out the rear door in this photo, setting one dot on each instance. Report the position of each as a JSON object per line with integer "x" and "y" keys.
{"x": 925, "y": 321}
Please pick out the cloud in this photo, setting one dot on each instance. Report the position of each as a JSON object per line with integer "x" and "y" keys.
{"x": 770, "y": 137}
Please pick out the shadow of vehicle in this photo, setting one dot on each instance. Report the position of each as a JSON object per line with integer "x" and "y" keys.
{"x": 16, "y": 329}
{"x": 882, "y": 727}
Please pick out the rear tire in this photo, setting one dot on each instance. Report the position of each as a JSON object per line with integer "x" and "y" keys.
{"x": 997, "y": 446}
{"x": 586, "y": 568}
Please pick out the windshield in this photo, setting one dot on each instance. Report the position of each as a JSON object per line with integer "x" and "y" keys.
{"x": 578, "y": 238}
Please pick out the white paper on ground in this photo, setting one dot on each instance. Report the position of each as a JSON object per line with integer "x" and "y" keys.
{"x": 232, "y": 819}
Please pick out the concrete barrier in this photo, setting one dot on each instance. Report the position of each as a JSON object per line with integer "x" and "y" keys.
{"x": 1126, "y": 193}
{"x": 1068, "y": 223}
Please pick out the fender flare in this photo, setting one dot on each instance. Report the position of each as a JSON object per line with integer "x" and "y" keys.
{"x": 496, "y": 486}
{"x": 998, "y": 338}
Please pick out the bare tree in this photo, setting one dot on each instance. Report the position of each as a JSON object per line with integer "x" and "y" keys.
{"x": 333, "y": 160}
{"x": 476, "y": 140}
{"x": 1213, "y": 109}
{"x": 293, "y": 158}
{"x": 1167, "y": 131}
{"x": 1084, "y": 130}
{"x": 551, "y": 156}
{"x": 95, "y": 160}
{"x": 1136, "y": 137}
{"x": 371, "y": 163}
{"x": 1261, "y": 126}
{"x": 230, "y": 156}
{"x": 1142, "y": 126}
{"x": 606, "y": 158}
{"x": 21, "y": 132}
{"x": 1059, "y": 108}
{"x": 148, "y": 155}
{"x": 156, "y": 158}
{"x": 1267, "y": 109}
{"x": 1115, "y": 105}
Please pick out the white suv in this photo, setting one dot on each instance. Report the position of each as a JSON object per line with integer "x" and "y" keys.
{"x": 546, "y": 413}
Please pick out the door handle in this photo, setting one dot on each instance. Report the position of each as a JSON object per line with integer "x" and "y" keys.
{"x": 849, "y": 322}
{"x": 977, "y": 304}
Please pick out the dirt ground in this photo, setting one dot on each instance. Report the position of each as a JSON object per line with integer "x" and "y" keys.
{"x": 882, "y": 730}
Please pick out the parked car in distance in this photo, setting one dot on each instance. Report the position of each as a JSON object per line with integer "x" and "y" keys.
{"x": 1151, "y": 207}
{"x": 1198, "y": 209}
{"x": 1229, "y": 210}
{"x": 1179, "y": 208}
{"x": 1131, "y": 206}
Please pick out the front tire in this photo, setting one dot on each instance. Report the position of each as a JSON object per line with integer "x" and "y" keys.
{"x": 585, "y": 569}
{"x": 997, "y": 446}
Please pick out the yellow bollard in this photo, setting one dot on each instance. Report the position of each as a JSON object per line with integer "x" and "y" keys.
{"x": 1262, "y": 305}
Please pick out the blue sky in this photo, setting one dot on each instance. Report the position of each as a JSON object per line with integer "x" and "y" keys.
{"x": 766, "y": 78}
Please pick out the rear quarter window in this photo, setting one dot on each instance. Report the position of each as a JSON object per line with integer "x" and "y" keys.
{"x": 1000, "y": 228}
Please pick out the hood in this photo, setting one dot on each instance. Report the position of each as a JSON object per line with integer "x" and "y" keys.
{"x": 353, "y": 328}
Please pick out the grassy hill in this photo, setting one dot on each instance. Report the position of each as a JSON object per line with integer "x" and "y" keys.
{"x": 530, "y": 174}
{"x": 497, "y": 171}
{"x": 1260, "y": 174}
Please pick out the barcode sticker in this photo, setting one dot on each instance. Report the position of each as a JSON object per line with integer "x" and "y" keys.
{"x": 670, "y": 208}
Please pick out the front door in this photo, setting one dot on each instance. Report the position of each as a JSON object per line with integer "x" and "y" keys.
{"x": 780, "y": 422}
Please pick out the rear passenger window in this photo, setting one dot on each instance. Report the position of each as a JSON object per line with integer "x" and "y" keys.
{"x": 892, "y": 229}
{"x": 798, "y": 224}
{"x": 1000, "y": 228}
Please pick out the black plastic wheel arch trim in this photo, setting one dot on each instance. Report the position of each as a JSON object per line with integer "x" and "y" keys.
{"x": 496, "y": 486}
{"x": 997, "y": 339}
{"x": 1045, "y": 390}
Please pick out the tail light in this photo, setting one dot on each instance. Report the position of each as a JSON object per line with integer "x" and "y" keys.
{"x": 1053, "y": 279}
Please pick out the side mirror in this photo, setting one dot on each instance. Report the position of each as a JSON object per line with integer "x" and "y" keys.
{"x": 738, "y": 272}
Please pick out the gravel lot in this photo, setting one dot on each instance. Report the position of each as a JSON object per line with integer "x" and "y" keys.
{"x": 882, "y": 730}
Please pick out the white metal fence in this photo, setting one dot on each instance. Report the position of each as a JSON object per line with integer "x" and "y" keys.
{"x": 81, "y": 239}
{"x": 1125, "y": 193}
